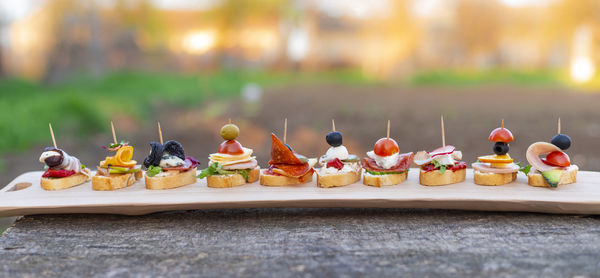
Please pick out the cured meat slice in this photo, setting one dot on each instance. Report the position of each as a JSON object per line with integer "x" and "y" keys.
{"x": 291, "y": 170}
{"x": 281, "y": 154}
{"x": 404, "y": 161}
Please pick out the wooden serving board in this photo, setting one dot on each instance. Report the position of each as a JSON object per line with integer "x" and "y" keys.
{"x": 582, "y": 197}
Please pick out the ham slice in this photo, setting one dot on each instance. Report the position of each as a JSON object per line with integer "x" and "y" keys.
{"x": 242, "y": 165}
{"x": 486, "y": 168}
{"x": 404, "y": 161}
{"x": 540, "y": 148}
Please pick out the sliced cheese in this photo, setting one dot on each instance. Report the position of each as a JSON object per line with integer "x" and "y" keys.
{"x": 228, "y": 159}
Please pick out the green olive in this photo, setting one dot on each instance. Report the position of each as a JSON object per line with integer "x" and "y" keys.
{"x": 230, "y": 131}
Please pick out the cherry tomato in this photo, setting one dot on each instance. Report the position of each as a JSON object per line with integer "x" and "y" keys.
{"x": 501, "y": 135}
{"x": 232, "y": 147}
{"x": 557, "y": 158}
{"x": 386, "y": 147}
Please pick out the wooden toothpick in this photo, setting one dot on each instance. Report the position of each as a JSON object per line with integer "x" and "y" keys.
{"x": 388, "y": 130}
{"x": 502, "y": 123}
{"x": 160, "y": 134}
{"x": 558, "y": 126}
{"x": 52, "y": 134}
{"x": 443, "y": 134}
{"x": 112, "y": 126}
{"x": 332, "y": 125}
{"x": 229, "y": 120}
{"x": 284, "y": 130}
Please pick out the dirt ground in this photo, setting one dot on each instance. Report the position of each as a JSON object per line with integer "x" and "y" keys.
{"x": 360, "y": 113}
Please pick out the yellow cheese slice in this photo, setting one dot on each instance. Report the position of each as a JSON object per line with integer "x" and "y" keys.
{"x": 228, "y": 159}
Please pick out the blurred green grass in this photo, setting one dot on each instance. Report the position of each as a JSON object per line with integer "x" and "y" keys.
{"x": 85, "y": 103}
{"x": 494, "y": 76}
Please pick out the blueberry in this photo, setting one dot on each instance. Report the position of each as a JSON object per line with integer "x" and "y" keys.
{"x": 334, "y": 139}
{"x": 500, "y": 148}
{"x": 562, "y": 141}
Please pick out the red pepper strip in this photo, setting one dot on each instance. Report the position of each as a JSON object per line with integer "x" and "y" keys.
{"x": 58, "y": 173}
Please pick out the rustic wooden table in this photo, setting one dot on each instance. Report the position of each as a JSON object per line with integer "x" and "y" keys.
{"x": 304, "y": 242}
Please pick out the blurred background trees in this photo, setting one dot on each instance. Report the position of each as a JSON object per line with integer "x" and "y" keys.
{"x": 383, "y": 38}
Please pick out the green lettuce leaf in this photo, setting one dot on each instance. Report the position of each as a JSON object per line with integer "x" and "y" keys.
{"x": 153, "y": 171}
{"x": 441, "y": 166}
{"x": 217, "y": 169}
{"x": 524, "y": 169}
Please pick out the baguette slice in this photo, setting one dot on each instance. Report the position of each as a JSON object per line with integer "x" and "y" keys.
{"x": 115, "y": 181}
{"x": 569, "y": 176}
{"x": 434, "y": 178}
{"x": 327, "y": 181}
{"x": 172, "y": 181}
{"x": 380, "y": 180}
{"x": 64, "y": 183}
{"x": 272, "y": 180}
{"x": 493, "y": 178}
{"x": 225, "y": 181}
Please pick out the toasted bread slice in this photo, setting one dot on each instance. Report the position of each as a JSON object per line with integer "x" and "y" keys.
{"x": 64, "y": 183}
{"x": 225, "y": 181}
{"x": 381, "y": 180}
{"x": 115, "y": 181}
{"x": 434, "y": 178}
{"x": 273, "y": 180}
{"x": 327, "y": 181}
{"x": 493, "y": 178}
{"x": 569, "y": 176}
{"x": 172, "y": 181}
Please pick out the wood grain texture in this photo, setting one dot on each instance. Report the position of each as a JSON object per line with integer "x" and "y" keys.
{"x": 582, "y": 197}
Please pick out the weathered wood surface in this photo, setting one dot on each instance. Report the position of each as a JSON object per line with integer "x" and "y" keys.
{"x": 304, "y": 242}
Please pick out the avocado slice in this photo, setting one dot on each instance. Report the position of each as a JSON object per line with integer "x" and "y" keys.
{"x": 302, "y": 158}
{"x": 552, "y": 177}
{"x": 121, "y": 170}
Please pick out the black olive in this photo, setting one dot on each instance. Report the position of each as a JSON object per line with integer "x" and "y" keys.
{"x": 175, "y": 148}
{"x": 54, "y": 161}
{"x": 500, "y": 148}
{"x": 334, "y": 139}
{"x": 155, "y": 155}
{"x": 562, "y": 141}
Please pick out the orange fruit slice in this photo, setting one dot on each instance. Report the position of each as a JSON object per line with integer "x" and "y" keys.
{"x": 496, "y": 159}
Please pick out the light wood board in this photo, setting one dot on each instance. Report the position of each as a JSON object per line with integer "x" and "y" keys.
{"x": 582, "y": 197}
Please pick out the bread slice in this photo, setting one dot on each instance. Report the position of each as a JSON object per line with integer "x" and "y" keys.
{"x": 64, "y": 183}
{"x": 225, "y": 181}
{"x": 493, "y": 178}
{"x": 272, "y": 180}
{"x": 114, "y": 181}
{"x": 535, "y": 178}
{"x": 172, "y": 181}
{"x": 380, "y": 180}
{"x": 434, "y": 178}
{"x": 327, "y": 181}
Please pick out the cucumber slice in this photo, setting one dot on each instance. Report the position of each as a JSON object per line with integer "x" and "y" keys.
{"x": 552, "y": 177}
{"x": 351, "y": 158}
